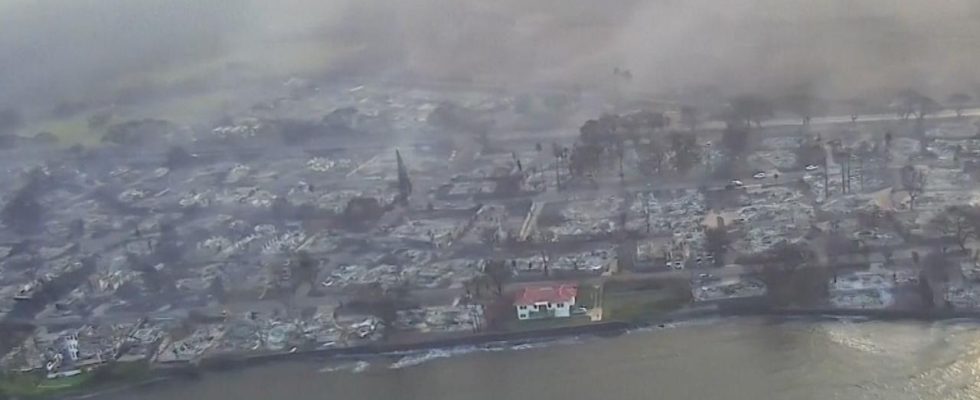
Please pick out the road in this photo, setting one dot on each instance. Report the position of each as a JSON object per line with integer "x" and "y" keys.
{"x": 716, "y": 126}
{"x": 643, "y": 184}
{"x": 846, "y": 119}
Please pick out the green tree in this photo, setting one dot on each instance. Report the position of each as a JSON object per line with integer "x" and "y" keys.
{"x": 790, "y": 279}
{"x": 600, "y": 131}
{"x": 857, "y": 106}
{"x": 803, "y": 104}
{"x": 810, "y": 152}
{"x": 690, "y": 117}
{"x": 499, "y": 273}
{"x": 958, "y": 101}
{"x": 958, "y": 223}
{"x": 716, "y": 242}
{"x": 735, "y": 140}
{"x": 926, "y": 106}
{"x": 912, "y": 103}
{"x": 686, "y": 154}
{"x": 304, "y": 267}
{"x": 749, "y": 109}
{"x": 652, "y": 154}
{"x": 585, "y": 159}
{"x": 641, "y": 123}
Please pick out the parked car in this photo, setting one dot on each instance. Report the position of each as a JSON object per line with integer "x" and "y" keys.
{"x": 759, "y": 175}
{"x": 811, "y": 167}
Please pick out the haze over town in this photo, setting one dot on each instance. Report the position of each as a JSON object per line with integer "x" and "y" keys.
{"x": 189, "y": 185}
{"x": 844, "y": 48}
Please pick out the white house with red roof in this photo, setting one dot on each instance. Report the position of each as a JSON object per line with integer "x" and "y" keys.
{"x": 546, "y": 301}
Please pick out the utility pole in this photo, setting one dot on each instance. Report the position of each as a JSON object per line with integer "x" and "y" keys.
{"x": 557, "y": 152}
{"x": 826, "y": 177}
{"x": 646, "y": 211}
{"x": 558, "y": 174}
{"x": 621, "y": 152}
{"x": 843, "y": 170}
{"x": 404, "y": 183}
{"x": 861, "y": 171}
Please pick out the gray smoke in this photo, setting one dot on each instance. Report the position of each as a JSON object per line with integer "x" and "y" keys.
{"x": 52, "y": 49}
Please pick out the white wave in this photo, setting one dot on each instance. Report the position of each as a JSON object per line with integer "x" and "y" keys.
{"x": 429, "y": 355}
{"x": 859, "y": 343}
{"x": 894, "y": 340}
{"x": 526, "y": 346}
{"x": 354, "y": 367}
{"x": 540, "y": 344}
{"x": 411, "y": 359}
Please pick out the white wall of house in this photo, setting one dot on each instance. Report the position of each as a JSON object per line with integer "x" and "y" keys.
{"x": 554, "y": 310}
{"x": 563, "y": 310}
{"x": 523, "y": 312}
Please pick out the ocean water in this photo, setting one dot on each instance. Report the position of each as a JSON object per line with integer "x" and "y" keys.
{"x": 728, "y": 359}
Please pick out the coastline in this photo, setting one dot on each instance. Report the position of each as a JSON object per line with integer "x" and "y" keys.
{"x": 163, "y": 373}
{"x": 874, "y": 314}
{"x": 603, "y": 329}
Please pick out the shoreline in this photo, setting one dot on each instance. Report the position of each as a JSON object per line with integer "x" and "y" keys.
{"x": 603, "y": 329}
{"x": 185, "y": 370}
{"x": 872, "y": 314}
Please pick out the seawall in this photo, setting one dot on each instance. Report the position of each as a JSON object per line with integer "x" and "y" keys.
{"x": 225, "y": 361}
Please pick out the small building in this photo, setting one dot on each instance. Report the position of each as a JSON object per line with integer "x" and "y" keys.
{"x": 546, "y": 301}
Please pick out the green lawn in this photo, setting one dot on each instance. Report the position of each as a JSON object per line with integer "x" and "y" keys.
{"x": 35, "y": 385}
{"x": 64, "y": 383}
{"x": 586, "y": 296}
{"x": 31, "y": 385}
{"x": 639, "y": 305}
{"x": 69, "y": 131}
{"x": 517, "y": 325}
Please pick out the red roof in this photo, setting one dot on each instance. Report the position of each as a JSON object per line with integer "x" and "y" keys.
{"x": 560, "y": 293}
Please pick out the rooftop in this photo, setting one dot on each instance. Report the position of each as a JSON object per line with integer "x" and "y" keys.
{"x": 558, "y": 293}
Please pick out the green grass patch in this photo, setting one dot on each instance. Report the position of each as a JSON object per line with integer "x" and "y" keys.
{"x": 36, "y": 385}
{"x": 586, "y": 296}
{"x": 639, "y": 305}
{"x": 69, "y": 131}
{"x": 65, "y": 383}
{"x": 517, "y": 325}
{"x": 191, "y": 108}
{"x": 33, "y": 385}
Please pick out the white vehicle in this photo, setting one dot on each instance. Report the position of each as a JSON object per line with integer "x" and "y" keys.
{"x": 737, "y": 183}
{"x": 704, "y": 276}
{"x": 811, "y": 167}
{"x": 759, "y": 175}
